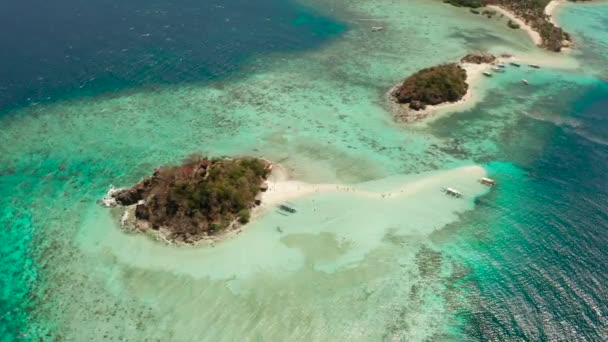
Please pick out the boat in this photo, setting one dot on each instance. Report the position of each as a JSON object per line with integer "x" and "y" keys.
{"x": 525, "y": 82}
{"x": 496, "y": 69}
{"x": 487, "y": 74}
{"x": 377, "y": 28}
{"x": 500, "y": 65}
{"x": 515, "y": 64}
{"x": 288, "y": 208}
{"x": 487, "y": 181}
{"x": 452, "y": 192}
{"x": 534, "y": 66}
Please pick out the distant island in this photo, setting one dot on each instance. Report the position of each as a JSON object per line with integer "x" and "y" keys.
{"x": 432, "y": 86}
{"x": 199, "y": 199}
{"x": 523, "y": 13}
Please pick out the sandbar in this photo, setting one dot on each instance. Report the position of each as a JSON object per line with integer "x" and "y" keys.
{"x": 282, "y": 189}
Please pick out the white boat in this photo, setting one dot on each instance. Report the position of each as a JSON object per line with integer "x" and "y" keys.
{"x": 452, "y": 192}
{"x": 499, "y": 70}
{"x": 487, "y": 181}
{"x": 525, "y": 82}
{"x": 487, "y": 74}
{"x": 377, "y": 28}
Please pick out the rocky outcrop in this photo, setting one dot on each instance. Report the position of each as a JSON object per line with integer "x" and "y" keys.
{"x": 478, "y": 58}
{"x": 126, "y": 197}
{"x": 417, "y": 105}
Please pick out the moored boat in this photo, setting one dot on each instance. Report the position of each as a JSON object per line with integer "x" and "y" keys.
{"x": 487, "y": 181}
{"x": 487, "y": 74}
{"x": 288, "y": 208}
{"x": 452, "y": 192}
{"x": 525, "y": 82}
{"x": 515, "y": 64}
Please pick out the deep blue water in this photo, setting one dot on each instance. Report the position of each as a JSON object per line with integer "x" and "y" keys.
{"x": 70, "y": 48}
{"x": 538, "y": 261}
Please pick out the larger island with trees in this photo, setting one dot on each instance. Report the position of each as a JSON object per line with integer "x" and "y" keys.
{"x": 199, "y": 199}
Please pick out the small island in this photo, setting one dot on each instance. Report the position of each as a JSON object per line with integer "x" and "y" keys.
{"x": 433, "y": 86}
{"x": 478, "y": 58}
{"x": 440, "y": 88}
{"x": 201, "y": 199}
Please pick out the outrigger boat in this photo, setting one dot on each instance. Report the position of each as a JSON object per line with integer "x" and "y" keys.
{"x": 487, "y": 74}
{"x": 288, "y": 207}
{"x": 487, "y": 181}
{"x": 452, "y": 192}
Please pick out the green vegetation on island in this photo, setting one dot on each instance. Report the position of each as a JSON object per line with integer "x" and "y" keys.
{"x": 479, "y": 57}
{"x": 532, "y": 12}
{"x": 465, "y": 3}
{"x": 433, "y": 86}
{"x": 202, "y": 197}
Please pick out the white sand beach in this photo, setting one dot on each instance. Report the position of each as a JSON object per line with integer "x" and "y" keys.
{"x": 536, "y": 38}
{"x": 282, "y": 189}
{"x": 474, "y": 75}
{"x": 552, "y": 9}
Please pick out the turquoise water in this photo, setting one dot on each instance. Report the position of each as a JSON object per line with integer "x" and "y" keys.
{"x": 533, "y": 249}
{"x": 523, "y": 261}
